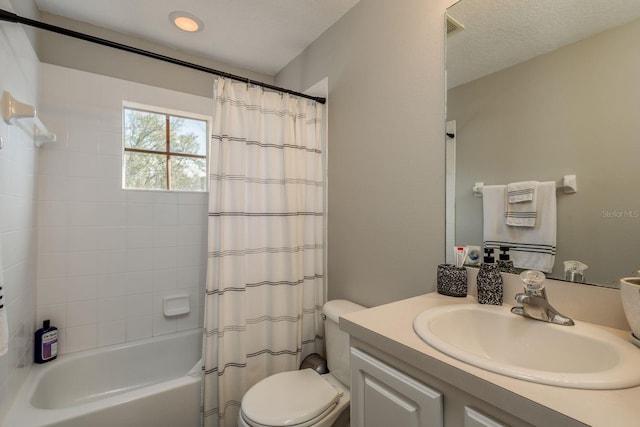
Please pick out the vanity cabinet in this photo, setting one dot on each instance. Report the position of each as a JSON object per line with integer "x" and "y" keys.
{"x": 391, "y": 365}
{"x": 383, "y": 395}
{"x": 473, "y": 418}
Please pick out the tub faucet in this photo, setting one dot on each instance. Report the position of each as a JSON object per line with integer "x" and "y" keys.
{"x": 534, "y": 301}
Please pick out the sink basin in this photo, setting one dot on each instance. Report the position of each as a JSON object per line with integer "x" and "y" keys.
{"x": 491, "y": 337}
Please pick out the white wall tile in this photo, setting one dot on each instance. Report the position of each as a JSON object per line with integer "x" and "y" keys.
{"x": 139, "y": 282}
{"x": 110, "y": 141}
{"x": 82, "y": 312}
{"x": 165, "y": 236}
{"x": 140, "y": 237}
{"x": 52, "y": 213}
{"x": 114, "y": 308}
{"x": 139, "y": 196}
{"x": 112, "y": 285}
{"x": 83, "y": 139}
{"x": 53, "y": 291}
{"x": 162, "y": 325}
{"x": 82, "y": 263}
{"x": 111, "y": 237}
{"x": 164, "y": 257}
{"x": 83, "y": 164}
{"x": 163, "y": 197}
{"x": 80, "y": 288}
{"x": 164, "y": 280}
{"x": 112, "y": 261}
{"x": 165, "y": 214}
{"x": 139, "y": 260}
{"x": 18, "y": 216}
{"x": 52, "y": 239}
{"x": 53, "y": 188}
{"x": 52, "y": 265}
{"x": 113, "y": 332}
{"x": 139, "y": 328}
{"x": 140, "y": 214}
{"x": 110, "y": 166}
{"x": 81, "y": 189}
{"x": 80, "y": 338}
{"x": 107, "y": 255}
{"x": 56, "y": 313}
{"x": 82, "y": 213}
{"x": 139, "y": 305}
{"x": 111, "y": 214}
{"x": 81, "y": 238}
{"x": 53, "y": 162}
{"x": 110, "y": 190}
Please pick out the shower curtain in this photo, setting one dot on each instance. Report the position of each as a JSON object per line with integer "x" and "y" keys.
{"x": 265, "y": 277}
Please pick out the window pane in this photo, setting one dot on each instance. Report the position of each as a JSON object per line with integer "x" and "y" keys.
{"x": 188, "y": 174}
{"x": 145, "y": 171}
{"x": 144, "y": 130}
{"x": 188, "y": 136}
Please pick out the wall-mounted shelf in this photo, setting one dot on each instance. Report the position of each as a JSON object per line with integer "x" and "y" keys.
{"x": 568, "y": 185}
{"x": 13, "y": 110}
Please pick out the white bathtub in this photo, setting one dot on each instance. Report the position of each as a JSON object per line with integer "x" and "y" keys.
{"x": 153, "y": 382}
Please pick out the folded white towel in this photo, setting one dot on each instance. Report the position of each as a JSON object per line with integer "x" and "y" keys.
{"x": 521, "y": 207}
{"x": 529, "y": 247}
{"x": 521, "y": 191}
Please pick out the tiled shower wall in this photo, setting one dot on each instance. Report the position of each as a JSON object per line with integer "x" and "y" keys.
{"x": 107, "y": 256}
{"x": 18, "y": 162}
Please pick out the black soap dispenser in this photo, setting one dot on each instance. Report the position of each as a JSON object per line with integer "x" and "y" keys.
{"x": 46, "y": 343}
{"x": 505, "y": 265}
{"x": 489, "y": 281}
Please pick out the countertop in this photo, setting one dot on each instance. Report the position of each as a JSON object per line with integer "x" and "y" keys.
{"x": 389, "y": 328}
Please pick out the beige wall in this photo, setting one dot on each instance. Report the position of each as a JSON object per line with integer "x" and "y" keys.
{"x": 573, "y": 111}
{"x": 385, "y": 65}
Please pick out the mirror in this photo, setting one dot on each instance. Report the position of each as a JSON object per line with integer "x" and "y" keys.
{"x": 542, "y": 89}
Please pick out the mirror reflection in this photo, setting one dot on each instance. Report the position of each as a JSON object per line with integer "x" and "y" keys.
{"x": 539, "y": 90}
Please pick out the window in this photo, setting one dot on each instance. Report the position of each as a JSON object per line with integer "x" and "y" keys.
{"x": 164, "y": 150}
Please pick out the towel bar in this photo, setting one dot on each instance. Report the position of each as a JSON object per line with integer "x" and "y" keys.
{"x": 13, "y": 109}
{"x": 568, "y": 184}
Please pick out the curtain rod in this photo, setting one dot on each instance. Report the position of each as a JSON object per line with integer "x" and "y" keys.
{"x": 12, "y": 17}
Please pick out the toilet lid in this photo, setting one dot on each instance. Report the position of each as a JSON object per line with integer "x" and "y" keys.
{"x": 288, "y": 398}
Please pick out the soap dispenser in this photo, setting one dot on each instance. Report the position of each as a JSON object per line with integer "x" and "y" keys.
{"x": 505, "y": 264}
{"x": 489, "y": 281}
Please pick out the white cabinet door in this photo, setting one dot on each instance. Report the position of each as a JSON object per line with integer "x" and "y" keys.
{"x": 382, "y": 396}
{"x": 474, "y": 418}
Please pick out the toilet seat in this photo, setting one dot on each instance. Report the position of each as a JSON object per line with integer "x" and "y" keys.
{"x": 293, "y": 398}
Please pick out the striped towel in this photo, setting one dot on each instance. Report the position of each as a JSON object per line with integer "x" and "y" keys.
{"x": 532, "y": 248}
{"x": 521, "y": 207}
{"x": 521, "y": 191}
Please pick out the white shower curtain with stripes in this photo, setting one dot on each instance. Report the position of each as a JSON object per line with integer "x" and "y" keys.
{"x": 265, "y": 277}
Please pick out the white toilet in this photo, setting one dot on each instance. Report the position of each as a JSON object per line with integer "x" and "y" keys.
{"x": 305, "y": 398}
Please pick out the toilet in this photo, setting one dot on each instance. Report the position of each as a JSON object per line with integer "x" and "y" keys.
{"x": 306, "y": 398}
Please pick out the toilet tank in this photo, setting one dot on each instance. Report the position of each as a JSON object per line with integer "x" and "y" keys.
{"x": 337, "y": 341}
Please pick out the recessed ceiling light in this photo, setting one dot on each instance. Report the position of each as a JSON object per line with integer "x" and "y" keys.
{"x": 186, "y": 21}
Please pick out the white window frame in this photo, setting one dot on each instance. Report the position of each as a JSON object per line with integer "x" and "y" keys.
{"x": 170, "y": 112}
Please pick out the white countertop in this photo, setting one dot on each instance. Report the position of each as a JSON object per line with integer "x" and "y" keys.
{"x": 389, "y": 328}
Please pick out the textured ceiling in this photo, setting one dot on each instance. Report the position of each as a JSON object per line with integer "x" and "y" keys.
{"x": 261, "y": 36}
{"x": 501, "y": 33}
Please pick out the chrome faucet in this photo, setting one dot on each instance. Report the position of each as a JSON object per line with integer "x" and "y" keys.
{"x": 534, "y": 300}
